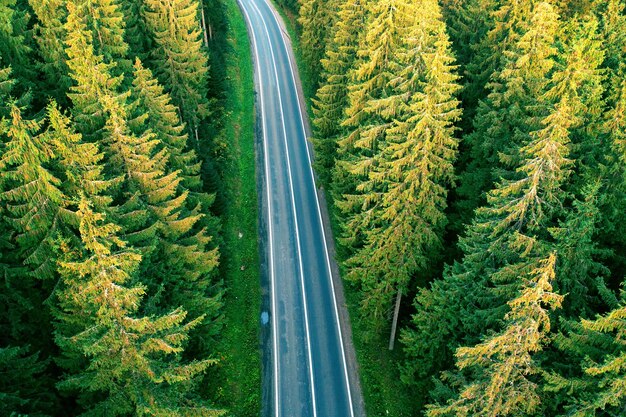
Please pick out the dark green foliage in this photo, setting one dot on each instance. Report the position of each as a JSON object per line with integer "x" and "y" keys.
{"x": 108, "y": 251}
{"x": 23, "y": 389}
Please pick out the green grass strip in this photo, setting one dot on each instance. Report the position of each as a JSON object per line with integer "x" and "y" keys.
{"x": 239, "y": 374}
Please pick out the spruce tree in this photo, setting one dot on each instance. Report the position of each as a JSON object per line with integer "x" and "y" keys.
{"x": 31, "y": 196}
{"x": 501, "y": 366}
{"x": 23, "y": 384}
{"x": 16, "y": 45}
{"x": 404, "y": 195}
{"x": 178, "y": 57}
{"x": 316, "y": 18}
{"x": 370, "y": 117}
{"x": 119, "y": 362}
{"x": 509, "y": 112}
{"x": 137, "y": 35}
{"x": 50, "y": 36}
{"x": 332, "y": 96}
{"x": 521, "y": 213}
{"x": 164, "y": 122}
{"x": 104, "y": 18}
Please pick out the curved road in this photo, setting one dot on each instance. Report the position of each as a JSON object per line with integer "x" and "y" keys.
{"x": 309, "y": 365}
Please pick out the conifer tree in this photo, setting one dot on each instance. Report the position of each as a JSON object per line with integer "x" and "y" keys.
{"x": 316, "y": 18}
{"x": 153, "y": 206}
{"x": 511, "y": 109}
{"x": 178, "y": 57}
{"x": 507, "y": 237}
{"x": 369, "y": 118}
{"x": 15, "y": 45}
{"x": 332, "y": 96}
{"x": 404, "y": 193}
{"x": 120, "y": 363}
{"x": 501, "y": 365}
{"x": 50, "y": 35}
{"x": 104, "y": 18}
{"x": 164, "y": 122}
{"x": 31, "y": 195}
{"x": 22, "y": 384}
{"x": 137, "y": 35}
{"x": 520, "y": 215}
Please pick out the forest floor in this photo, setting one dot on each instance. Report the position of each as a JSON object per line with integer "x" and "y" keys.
{"x": 383, "y": 392}
{"x": 239, "y": 372}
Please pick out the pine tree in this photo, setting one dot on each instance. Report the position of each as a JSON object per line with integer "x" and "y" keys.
{"x": 178, "y": 58}
{"x": 332, "y": 96}
{"x": 316, "y": 18}
{"x": 120, "y": 363}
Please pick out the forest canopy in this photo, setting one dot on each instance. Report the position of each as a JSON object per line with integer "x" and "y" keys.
{"x": 474, "y": 153}
{"x": 110, "y": 299}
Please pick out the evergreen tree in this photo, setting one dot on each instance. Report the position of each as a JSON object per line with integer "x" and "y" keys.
{"x": 22, "y": 386}
{"x": 332, "y": 96}
{"x": 164, "y": 122}
{"x": 521, "y": 212}
{"x": 137, "y": 35}
{"x": 509, "y": 112}
{"x": 50, "y": 35}
{"x": 404, "y": 194}
{"x": 120, "y": 363}
{"x": 502, "y": 365}
{"x": 31, "y": 195}
{"x": 104, "y": 18}
{"x": 370, "y": 118}
{"x": 15, "y": 44}
{"x": 316, "y": 18}
{"x": 178, "y": 57}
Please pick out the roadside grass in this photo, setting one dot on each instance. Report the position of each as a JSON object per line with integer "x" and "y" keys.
{"x": 383, "y": 392}
{"x": 239, "y": 373}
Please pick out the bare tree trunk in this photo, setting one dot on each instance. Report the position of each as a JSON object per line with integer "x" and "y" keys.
{"x": 197, "y": 139}
{"x": 394, "y": 324}
{"x": 204, "y": 31}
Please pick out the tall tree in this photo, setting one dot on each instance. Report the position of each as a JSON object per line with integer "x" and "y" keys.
{"x": 520, "y": 67}
{"x": 332, "y": 97}
{"x": 178, "y": 57}
{"x": 397, "y": 210}
{"x": 50, "y": 36}
{"x": 501, "y": 369}
{"x": 457, "y": 308}
{"x": 120, "y": 363}
{"x": 316, "y": 18}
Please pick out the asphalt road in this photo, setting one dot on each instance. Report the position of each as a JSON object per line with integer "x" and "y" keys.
{"x": 309, "y": 368}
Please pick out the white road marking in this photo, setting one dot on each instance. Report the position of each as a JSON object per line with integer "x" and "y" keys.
{"x": 293, "y": 204}
{"x": 269, "y": 209}
{"x": 319, "y": 212}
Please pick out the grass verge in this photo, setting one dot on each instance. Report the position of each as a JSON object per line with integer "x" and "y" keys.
{"x": 239, "y": 372}
{"x": 383, "y": 393}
